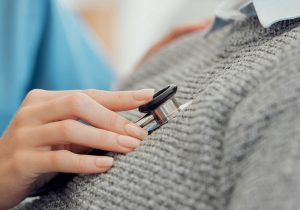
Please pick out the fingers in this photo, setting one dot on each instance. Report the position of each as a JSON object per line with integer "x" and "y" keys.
{"x": 80, "y": 106}
{"x": 67, "y": 162}
{"x": 115, "y": 101}
{"x": 121, "y": 101}
{"x": 73, "y": 132}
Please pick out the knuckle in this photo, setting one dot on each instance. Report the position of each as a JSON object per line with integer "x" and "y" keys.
{"x": 76, "y": 101}
{"x": 56, "y": 160}
{"x": 59, "y": 160}
{"x": 82, "y": 164}
{"x": 66, "y": 129}
{"x": 105, "y": 136}
{"x": 112, "y": 120}
{"x": 34, "y": 94}
{"x": 92, "y": 92}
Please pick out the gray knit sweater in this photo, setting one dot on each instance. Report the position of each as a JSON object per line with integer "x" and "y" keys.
{"x": 236, "y": 147}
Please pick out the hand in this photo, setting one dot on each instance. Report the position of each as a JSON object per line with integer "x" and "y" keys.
{"x": 46, "y": 137}
{"x": 175, "y": 34}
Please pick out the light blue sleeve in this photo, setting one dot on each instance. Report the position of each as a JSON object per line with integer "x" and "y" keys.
{"x": 42, "y": 45}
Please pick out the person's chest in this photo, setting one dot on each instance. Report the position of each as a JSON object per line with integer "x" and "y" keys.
{"x": 233, "y": 77}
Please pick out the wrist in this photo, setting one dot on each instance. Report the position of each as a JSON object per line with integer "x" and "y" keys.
{"x": 9, "y": 181}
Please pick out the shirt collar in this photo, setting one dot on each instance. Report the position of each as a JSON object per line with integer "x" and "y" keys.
{"x": 267, "y": 11}
{"x": 273, "y": 11}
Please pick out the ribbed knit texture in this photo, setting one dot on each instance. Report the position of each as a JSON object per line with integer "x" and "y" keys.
{"x": 236, "y": 147}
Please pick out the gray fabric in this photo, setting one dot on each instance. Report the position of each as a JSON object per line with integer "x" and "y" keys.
{"x": 236, "y": 147}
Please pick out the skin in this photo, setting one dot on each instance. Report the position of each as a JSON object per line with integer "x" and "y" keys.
{"x": 46, "y": 137}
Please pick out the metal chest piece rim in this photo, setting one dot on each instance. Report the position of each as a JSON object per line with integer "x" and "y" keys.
{"x": 161, "y": 109}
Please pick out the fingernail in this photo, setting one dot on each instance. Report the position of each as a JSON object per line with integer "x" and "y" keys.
{"x": 143, "y": 95}
{"x": 136, "y": 131}
{"x": 128, "y": 142}
{"x": 104, "y": 162}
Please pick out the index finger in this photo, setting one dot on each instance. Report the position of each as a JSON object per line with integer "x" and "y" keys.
{"x": 121, "y": 100}
{"x": 113, "y": 100}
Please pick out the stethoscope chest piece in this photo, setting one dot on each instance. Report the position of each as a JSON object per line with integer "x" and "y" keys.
{"x": 161, "y": 109}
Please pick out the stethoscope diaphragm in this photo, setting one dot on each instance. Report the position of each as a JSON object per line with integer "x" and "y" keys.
{"x": 161, "y": 109}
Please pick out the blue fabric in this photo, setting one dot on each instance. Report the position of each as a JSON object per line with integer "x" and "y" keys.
{"x": 42, "y": 45}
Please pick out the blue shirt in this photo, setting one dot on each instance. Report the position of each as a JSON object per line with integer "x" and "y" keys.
{"x": 267, "y": 11}
{"x": 42, "y": 45}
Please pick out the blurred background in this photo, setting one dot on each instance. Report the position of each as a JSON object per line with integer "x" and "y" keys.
{"x": 128, "y": 28}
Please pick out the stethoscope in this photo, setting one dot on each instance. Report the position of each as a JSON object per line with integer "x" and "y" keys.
{"x": 161, "y": 109}
{"x": 158, "y": 112}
